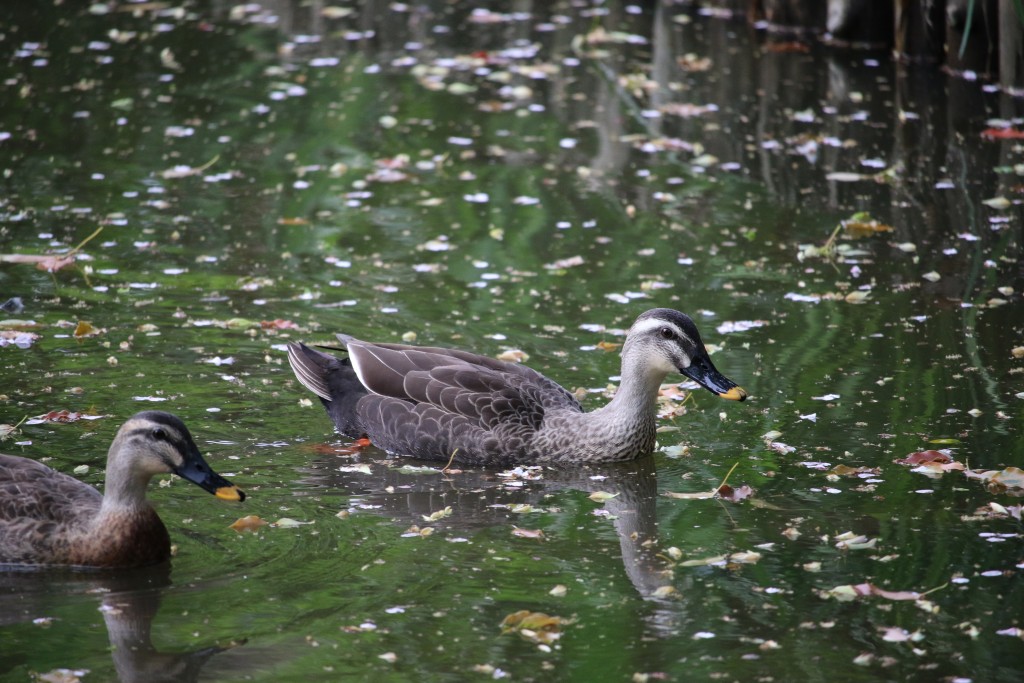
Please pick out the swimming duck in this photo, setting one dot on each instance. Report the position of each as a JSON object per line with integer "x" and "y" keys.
{"x": 49, "y": 518}
{"x": 450, "y": 405}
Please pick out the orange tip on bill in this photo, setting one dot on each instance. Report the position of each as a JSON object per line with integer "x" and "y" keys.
{"x": 229, "y": 493}
{"x": 734, "y": 394}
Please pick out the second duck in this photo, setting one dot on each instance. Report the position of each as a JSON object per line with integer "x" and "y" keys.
{"x": 445, "y": 404}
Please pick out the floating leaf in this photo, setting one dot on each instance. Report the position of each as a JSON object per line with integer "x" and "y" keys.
{"x": 415, "y": 469}
{"x": 534, "y": 626}
{"x": 85, "y": 329}
{"x": 895, "y": 634}
{"x": 61, "y": 676}
{"x": 705, "y": 561}
{"x": 439, "y": 514}
{"x": 846, "y": 177}
{"x": 857, "y": 297}
{"x": 565, "y": 263}
{"x": 929, "y": 456}
{"x": 536, "y": 534}
{"x": 846, "y": 471}
{"x": 726, "y": 492}
{"x": 852, "y": 541}
{"x": 861, "y": 590}
{"x": 1003, "y": 134}
{"x": 335, "y": 12}
{"x": 60, "y": 417}
{"x": 248, "y": 523}
{"x": 601, "y": 496}
{"x": 997, "y": 203}
{"x": 513, "y": 356}
{"x": 1011, "y": 477}
{"x": 22, "y": 340}
{"x": 361, "y": 468}
{"x": 864, "y": 228}
{"x": 700, "y": 495}
{"x": 278, "y": 324}
{"x": 663, "y": 592}
{"x": 288, "y": 523}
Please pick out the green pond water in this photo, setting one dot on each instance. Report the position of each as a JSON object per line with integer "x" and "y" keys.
{"x": 531, "y": 177}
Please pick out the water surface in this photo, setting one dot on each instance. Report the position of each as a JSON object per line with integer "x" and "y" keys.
{"x": 525, "y": 179}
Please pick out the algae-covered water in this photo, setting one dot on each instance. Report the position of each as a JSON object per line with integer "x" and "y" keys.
{"x": 845, "y": 231}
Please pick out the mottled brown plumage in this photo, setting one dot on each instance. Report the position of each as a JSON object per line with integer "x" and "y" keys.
{"x": 49, "y": 518}
{"x": 433, "y": 402}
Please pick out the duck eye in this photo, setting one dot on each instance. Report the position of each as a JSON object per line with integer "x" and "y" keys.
{"x": 667, "y": 333}
{"x": 159, "y": 434}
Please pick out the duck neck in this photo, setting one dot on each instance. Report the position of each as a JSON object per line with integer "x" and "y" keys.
{"x": 124, "y": 490}
{"x": 636, "y": 399}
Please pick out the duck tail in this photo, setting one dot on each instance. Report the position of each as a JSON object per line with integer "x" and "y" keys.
{"x": 334, "y": 381}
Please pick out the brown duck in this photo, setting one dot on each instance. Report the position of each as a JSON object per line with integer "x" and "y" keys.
{"x": 444, "y": 404}
{"x": 49, "y": 518}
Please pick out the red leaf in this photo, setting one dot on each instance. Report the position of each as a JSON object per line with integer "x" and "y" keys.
{"x": 727, "y": 492}
{"x": 60, "y": 416}
{"x": 1003, "y": 134}
{"x": 277, "y": 324}
{"x": 923, "y": 457}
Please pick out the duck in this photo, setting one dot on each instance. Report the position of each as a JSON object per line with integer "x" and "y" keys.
{"x": 456, "y": 406}
{"x": 50, "y": 518}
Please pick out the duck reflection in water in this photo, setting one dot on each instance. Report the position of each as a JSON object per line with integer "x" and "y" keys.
{"x": 481, "y": 499}
{"x": 129, "y": 603}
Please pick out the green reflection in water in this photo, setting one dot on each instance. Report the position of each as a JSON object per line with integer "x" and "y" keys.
{"x": 262, "y": 180}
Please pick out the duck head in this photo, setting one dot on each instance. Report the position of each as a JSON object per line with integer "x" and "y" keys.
{"x": 154, "y": 442}
{"x": 671, "y": 343}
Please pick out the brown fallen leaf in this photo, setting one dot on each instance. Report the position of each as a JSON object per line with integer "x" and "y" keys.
{"x": 929, "y": 456}
{"x": 519, "y": 532}
{"x": 57, "y": 416}
{"x": 861, "y": 590}
{"x": 865, "y": 228}
{"x": 1010, "y": 477}
{"x": 991, "y": 511}
{"x": 277, "y": 324}
{"x": 534, "y": 626}
{"x": 248, "y": 523}
{"x": 48, "y": 262}
{"x": 846, "y": 470}
{"x": 726, "y": 492}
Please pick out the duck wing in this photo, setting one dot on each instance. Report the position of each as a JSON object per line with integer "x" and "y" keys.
{"x": 38, "y": 505}
{"x": 29, "y": 489}
{"x": 430, "y": 402}
{"x": 455, "y": 380}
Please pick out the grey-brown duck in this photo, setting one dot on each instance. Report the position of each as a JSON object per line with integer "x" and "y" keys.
{"x": 50, "y": 518}
{"x": 444, "y": 404}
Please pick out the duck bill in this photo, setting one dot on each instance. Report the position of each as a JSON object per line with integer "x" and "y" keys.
{"x": 703, "y": 372}
{"x": 202, "y": 475}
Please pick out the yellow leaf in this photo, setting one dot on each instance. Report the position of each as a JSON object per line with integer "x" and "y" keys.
{"x": 85, "y": 329}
